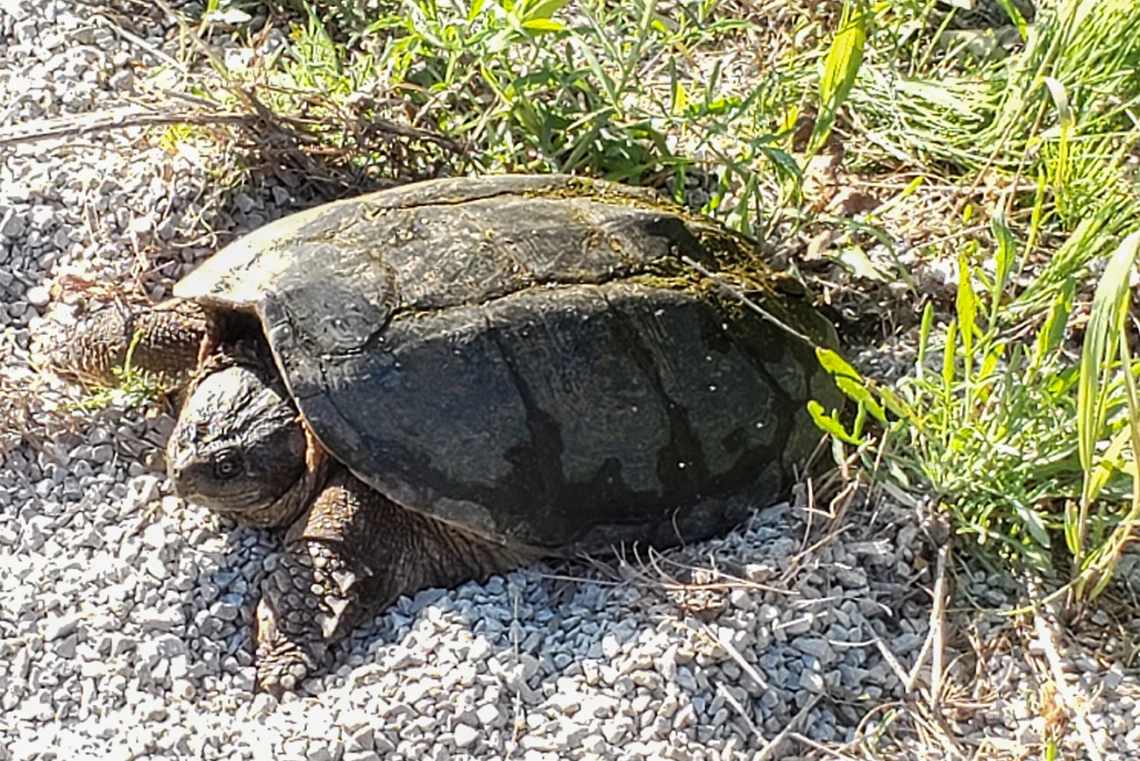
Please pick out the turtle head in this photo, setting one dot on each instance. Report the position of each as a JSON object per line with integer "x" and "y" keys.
{"x": 240, "y": 449}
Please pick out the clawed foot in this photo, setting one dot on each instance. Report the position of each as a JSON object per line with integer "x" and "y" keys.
{"x": 307, "y": 602}
{"x": 283, "y": 662}
{"x": 355, "y": 552}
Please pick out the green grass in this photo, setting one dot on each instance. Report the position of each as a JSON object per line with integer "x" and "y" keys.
{"x": 1027, "y": 446}
{"x": 621, "y": 91}
{"x": 134, "y": 389}
{"x": 1019, "y": 169}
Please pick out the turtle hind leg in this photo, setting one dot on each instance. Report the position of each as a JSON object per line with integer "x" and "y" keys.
{"x": 166, "y": 340}
{"x": 353, "y": 554}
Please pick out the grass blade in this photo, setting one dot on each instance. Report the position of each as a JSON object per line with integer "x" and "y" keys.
{"x": 966, "y": 304}
{"x": 841, "y": 67}
{"x": 1104, "y": 331}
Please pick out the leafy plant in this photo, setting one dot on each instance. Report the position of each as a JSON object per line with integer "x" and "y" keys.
{"x": 1030, "y": 451}
{"x": 1094, "y": 532}
{"x": 841, "y": 68}
{"x": 622, "y": 91}
{"x": 136, "y": 388}
{"x": 985, "y": 424}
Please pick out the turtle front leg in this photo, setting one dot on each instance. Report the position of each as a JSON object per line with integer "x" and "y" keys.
{"x": 306, "y": 601}
{"x": 353, "y": 554}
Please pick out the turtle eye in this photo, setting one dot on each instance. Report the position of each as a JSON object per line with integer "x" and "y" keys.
{"x": 227, "y": 464}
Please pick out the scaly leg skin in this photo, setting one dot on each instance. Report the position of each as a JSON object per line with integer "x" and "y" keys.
{"x": 170, "y": 335}
{"x": 354, "y": 553}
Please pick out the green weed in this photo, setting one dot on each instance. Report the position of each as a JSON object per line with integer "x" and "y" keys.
{"x": 136, "y": 388}
{"x": 1108, "y": 411}
{"x": 631, "y": 92}
{"x": 1019, "y": 426}
{"x": 983, "y": 425}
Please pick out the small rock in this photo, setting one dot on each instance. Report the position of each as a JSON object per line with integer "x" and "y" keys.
{"x": 65, "y": 648}
{"x": 225, "y": 611}
{"x": 796, "y": 627}
{"x": 488, "y": 714}
{"x": 121, "y": 80}
{"x": 12, "y": 225}
{"x": 38, "y": 295}
{"x": 594, "y": 744}
{"x": 686, "y": 717}
{"x": 58, "y": 627}
{"x": 144, "y": 489}
{"x": 814, "y": 646}
{"x": 465, "y": 736}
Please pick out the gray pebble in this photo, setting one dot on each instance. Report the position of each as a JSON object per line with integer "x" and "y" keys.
{"x": 814, "y": 646}
{"x": 58, "y": 627}
{"x": 12, "y": 224}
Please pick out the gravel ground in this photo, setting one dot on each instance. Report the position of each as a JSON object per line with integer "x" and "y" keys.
{"x": 125, "y": 616}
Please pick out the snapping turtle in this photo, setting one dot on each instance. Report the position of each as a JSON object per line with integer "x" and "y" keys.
{"x": 450, "y": 379}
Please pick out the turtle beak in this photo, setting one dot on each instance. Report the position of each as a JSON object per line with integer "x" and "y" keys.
{"x": 181, "y": 465}
{"x": 177, "y": 463}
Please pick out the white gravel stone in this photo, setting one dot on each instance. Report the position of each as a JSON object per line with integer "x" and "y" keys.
{"x": 466, "y": 736}
{"x": 38, "y": 296}
{"x": 488, "y": 714}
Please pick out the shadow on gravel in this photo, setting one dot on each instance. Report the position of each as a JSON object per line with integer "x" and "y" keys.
{"x": 730, "y": 641}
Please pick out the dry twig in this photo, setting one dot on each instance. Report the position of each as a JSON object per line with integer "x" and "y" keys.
{"x": 938, "y": 628}
{"x": 112, "y": 119}
{"x": 735, "y": 654}
{"x": 771, "y": 748}
{"x": 1044, "y": 636}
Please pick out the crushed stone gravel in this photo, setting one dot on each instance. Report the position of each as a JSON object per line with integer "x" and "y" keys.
{"x": 126, "y": 623}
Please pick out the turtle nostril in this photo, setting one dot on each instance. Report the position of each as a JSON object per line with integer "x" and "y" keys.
{"x": 177, "y": 469}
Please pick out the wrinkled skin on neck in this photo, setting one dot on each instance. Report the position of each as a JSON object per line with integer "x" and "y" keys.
{"x": 240, "y": 449}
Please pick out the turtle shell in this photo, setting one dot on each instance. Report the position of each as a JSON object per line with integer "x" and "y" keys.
{"x": 542, "y": 360}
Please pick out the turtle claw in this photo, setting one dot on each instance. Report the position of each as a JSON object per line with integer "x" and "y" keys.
{"x": 283, "y": 662}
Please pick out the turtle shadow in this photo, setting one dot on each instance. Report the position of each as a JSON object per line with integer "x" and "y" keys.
{"x": 559, "y": 652}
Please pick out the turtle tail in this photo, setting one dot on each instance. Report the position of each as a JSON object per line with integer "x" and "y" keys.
{"x": 166, "y": 339}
